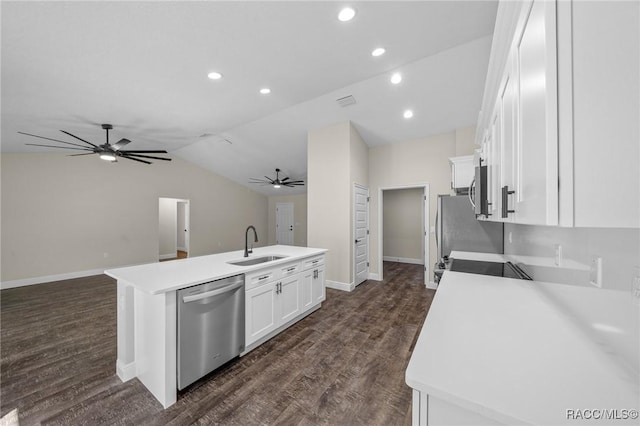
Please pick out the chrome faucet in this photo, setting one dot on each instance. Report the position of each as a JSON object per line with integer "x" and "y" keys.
{"x": 247, "y": 251}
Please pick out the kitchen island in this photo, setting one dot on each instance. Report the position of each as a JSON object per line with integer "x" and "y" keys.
{"x": 147, "y": 305}
{"x": 505, "y": 351}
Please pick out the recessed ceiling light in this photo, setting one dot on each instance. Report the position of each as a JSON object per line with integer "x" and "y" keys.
{"x": 396, "y": 78}
{"x": 407, "y": 114}
{"x": 346, "y": 14}
{"x": 379, "y": 51}
{"x": 214, "y": 75}
{"x": 265, "y": 90}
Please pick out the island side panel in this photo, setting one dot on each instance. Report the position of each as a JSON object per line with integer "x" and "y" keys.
{"x": 155, "y": 344}
{"x": 125, "y": 365}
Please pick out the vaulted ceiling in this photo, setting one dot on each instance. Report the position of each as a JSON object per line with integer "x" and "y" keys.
{"x": 142, "y": 66}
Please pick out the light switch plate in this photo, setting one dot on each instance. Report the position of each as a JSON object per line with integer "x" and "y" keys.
{"x": 595, "y": 271}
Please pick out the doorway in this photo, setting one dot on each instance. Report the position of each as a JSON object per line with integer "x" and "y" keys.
{"x": 284, "y": 224}
{"x": 173, "y": 228}
{"x": 415, "y": 247}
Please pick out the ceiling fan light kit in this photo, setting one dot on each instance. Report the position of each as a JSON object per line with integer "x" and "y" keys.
{"x": 277, "y": 182}
{"x": 107, "y": 151}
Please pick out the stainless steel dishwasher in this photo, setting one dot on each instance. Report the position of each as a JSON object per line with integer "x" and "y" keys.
{"x": 210, "y": 327}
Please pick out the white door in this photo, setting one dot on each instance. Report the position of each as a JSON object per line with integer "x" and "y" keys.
{"x": 261, "y": 317}
{"x": 360, "y": 234}
{"x": 289, "y": 298}
{"x": 284, "y": 223}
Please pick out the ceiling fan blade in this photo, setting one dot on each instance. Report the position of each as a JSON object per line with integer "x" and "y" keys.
{"x": 80, "y": 139}
{"x": 122, "y": 142}
{"x": 296, "y": 181}
{"x": 61, "y": 147}
{"x": 134, "y": 159}
{"x": 49, "y": 139}
{"x": 145, "y": 156}
{"x": 293, "y": 184}
{"x": 86, "y": 153}
{"x": 144, "y": 151}
{"x": 287, "y": 178}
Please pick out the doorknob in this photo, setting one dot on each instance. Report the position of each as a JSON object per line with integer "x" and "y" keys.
{"x": 357, "y": 241}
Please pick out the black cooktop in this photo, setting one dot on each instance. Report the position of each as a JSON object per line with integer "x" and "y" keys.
{"x": 497, "y": 269}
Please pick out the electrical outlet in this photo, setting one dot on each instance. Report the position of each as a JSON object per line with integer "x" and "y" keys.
{"x": 510, "y": 237}
{"x": 595, "y": 271}
{"x": 558, "y": 258}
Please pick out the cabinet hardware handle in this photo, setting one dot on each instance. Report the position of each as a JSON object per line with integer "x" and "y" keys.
{"x": 505, "y": 201}
{"x": 263, "y": 278}
{"x": 315, "y": 274}
{"x": 291, "y": 269}
{"x": 315, "y": 261}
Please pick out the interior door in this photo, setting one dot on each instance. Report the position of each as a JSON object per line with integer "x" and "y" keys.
{"x": 284, "y": 223}
{"x": 360, "y": 234}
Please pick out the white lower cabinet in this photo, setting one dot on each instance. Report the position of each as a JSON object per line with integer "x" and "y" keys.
{"x": 260, "y": 313}
{"x": 276, "y": 297}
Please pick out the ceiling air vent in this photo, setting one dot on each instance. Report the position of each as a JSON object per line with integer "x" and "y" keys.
{"x": 346, "y": 101}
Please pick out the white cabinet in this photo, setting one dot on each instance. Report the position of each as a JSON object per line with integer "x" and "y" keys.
{"x": 260, "y": 312}
{"x": 277, "y": 297}
{"x": 462, "y": 171}
{"x": 536, "y": 185}
{"x": 561, "y": 114}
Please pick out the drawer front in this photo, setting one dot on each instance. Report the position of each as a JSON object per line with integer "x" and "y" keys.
{"x": 290, "y": 269}
{"x": 313, "y": 262}
{"x": 255, "y": 279}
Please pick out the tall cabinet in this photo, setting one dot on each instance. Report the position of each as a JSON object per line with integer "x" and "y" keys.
{"x": 559, "y": 122}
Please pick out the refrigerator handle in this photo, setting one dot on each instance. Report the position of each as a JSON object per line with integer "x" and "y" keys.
{"x": 472, "y": 190}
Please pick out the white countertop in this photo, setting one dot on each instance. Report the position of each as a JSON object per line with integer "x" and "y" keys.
{"x": 161, "y": 277}
{"x": 486, "y": 257}
{"x": 501, "y": 348}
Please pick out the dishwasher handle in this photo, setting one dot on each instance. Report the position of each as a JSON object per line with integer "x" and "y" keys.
{"x": 216, "y": 292}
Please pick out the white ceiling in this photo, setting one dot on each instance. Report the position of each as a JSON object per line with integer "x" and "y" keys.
{"x": 142, "y": 66}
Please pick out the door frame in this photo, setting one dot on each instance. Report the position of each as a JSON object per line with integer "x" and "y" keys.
{"x": 293, "y": 221}
{"x": 187, "y": 221}
{"x": 426, "y": 218}
{"x": 353, "y": 233}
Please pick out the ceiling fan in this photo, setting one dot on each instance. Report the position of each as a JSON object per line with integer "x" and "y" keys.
{"x": 107, "y": 151}
{"x": 277, "y": 182}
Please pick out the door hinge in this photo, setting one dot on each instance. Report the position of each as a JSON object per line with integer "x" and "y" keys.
{"x": 368, "y": 199}
{"x": 367, "y": 232}
{"x": 367, "y": 264}
{"x": 425, "y": 198}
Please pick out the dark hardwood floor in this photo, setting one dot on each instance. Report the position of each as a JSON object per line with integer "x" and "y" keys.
{"x": 342, "y": 365}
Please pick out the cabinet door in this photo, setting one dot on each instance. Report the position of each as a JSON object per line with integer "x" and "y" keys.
{"x": 318, "y": 287}
{"x": 306, "y": 293}
{"x": 509, "y": 101}
{"x": 536, "y": 192}
{"x": 288, "y": 298}
{"x": 494, "y": 166}
{"x": 261, "y": 318}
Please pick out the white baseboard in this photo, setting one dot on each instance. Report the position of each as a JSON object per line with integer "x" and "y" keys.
{"x": 403, "y": 260}
{"x": 168, "y": 256}
{"x": 339, "y": 285}
{"x": 49, "y": 278}
{"x": 125, "y": 371}
{"x": 374, "y": 277}
{"x": 431, "y": 285}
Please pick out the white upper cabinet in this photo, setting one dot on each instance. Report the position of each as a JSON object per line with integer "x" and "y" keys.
{"x": 536, "y": 185}
{"x": 560, "y": 112}
{"x": 462, "y": 171}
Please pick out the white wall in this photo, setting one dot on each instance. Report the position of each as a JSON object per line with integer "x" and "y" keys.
{"x": 337, "y": 157}
{"x": 402, "y": 225}
{"x": 182, "y": 225}
{"x": 609, "y": 313}
{"x": 413, "y": 162}
{"x": 299, "y": 218}
{"x": 63, "y": 215}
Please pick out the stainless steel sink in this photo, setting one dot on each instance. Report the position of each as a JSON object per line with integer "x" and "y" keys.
{"x": 255, "y": 260}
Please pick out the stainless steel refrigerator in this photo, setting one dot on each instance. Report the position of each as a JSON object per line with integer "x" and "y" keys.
{"x": 458, "y": 229}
